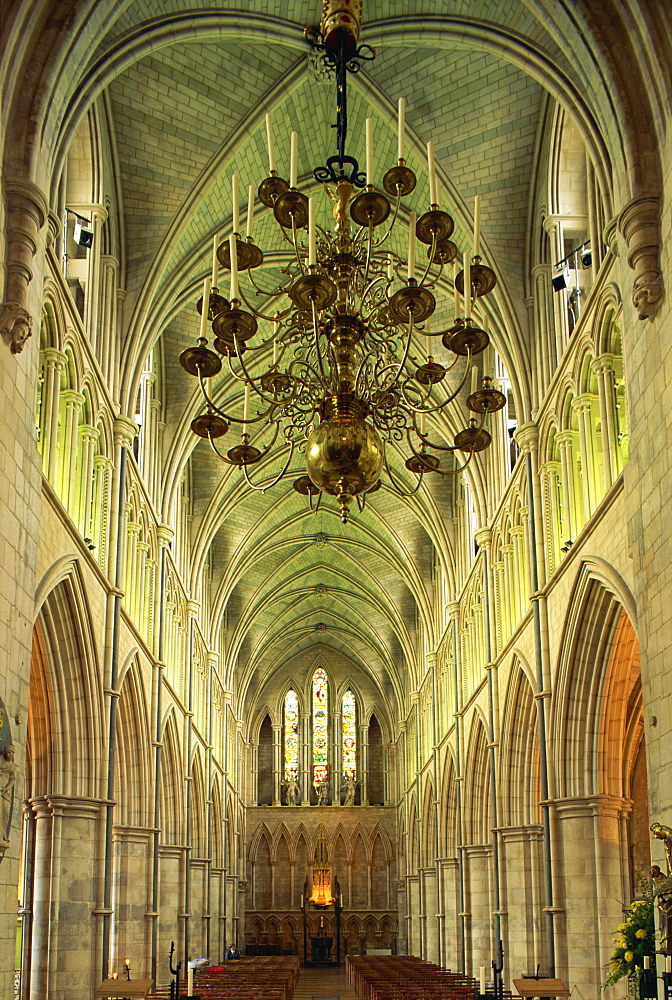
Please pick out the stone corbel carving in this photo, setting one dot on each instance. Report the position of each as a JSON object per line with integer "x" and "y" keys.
{"x": 639, "y": 222}
{"x": 26, "y": 214}
{"x": 15, "y": 325}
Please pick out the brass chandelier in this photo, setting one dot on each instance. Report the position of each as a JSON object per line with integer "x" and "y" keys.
{"x": 335, "y": 377}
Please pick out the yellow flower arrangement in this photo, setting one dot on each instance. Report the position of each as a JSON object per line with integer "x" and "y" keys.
{"x": 633, "y": 941}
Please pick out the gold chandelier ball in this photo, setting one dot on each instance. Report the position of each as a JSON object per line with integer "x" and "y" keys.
{"x": 344, "y": 455}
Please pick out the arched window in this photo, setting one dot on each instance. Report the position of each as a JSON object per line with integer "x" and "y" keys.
{"x": 349, "y": 734}
{"x": 291, "y": 730}
{"x": 320, "y": 726}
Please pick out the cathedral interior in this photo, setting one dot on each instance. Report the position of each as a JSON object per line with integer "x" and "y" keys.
{"x": 457, "y": 698}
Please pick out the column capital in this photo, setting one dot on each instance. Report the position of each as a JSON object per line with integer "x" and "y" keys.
{"x": 125, "y": 430}
{"x": 483, "y": 537}
{"x": 453, "y": 610}
{"x": 527, "y": 437}
{"x": 164, "y": 534}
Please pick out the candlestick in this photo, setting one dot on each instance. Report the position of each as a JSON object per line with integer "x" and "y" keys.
{"x": 233, "y": 252}
{"x": 456, "y": 291}
{"x": 368, "y": 130}
{"x": 293, "y": 158}
{"x": 235, "y": 221}
{"x": 411, "y": 246}
{"x": 477, "y": 225}
{"x": 205, "y": 308}
{"x": 250, "y": 211}
{"x": 215, "y": 262}
{"x": 431, "y": 169}
{"x": 401, "y": 128}
{"x": 246, "y": 406}
{"x": 311, "y": 232}
{"x": 270, "y": 144}
{"x": 474, "y": 378}
{"x": 481, "y": 977}
{"x": 467, "y": 284}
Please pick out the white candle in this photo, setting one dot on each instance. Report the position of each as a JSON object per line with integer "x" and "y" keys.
{"x": 466, "y": 259}
{"x": 271, "y": 147}
{"x": 429, "y": 347}
{"x": 250, "y": 211}
{"x": 477, "y": 226}
{"x": 647, "y": 962}
{"x": 275, "y": 352}
{"x": 411, "y": 246}
{"x": 293, "y": 158}
{"x": 311, "y": 232}
{"x": 423, "y": 424}
{"x": 431, "y": 169}
{"x": 401, "y": 128}
{"x": 190, "y": 982}
{"x": 368, "y": 129}
{"x": 233, "y": 251}
{"x": 215, "y": 262}
{"x": 205, "y": 307}
{"x": 481, "y": 977}
{"x": 668, "y": 963}
{"x": 246, "y": 405}
{"x": 474, "y": 378}
{"x": 390, "y": 270}
{"x": 456, "y": 291}
{"x": 235, "y": 221}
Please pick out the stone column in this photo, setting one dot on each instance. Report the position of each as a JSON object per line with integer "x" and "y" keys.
{"x": 478, "y": 905}
{"x": 131, "y": 901}
{"x": 363, "y": 764}
{"x": 305, "y": 747}
{"x": 278, "y": 768}
{"x": 591, "y": 489}
{"x": 603, "y": 366}
{"x": 67, "y": 478}
{"x": 66, "y": 932}
{"x": 572, "y": 515}
{"x": 52, "y": 367}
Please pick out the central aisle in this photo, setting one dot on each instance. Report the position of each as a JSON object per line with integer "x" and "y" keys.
{"x": 323, "y": 983}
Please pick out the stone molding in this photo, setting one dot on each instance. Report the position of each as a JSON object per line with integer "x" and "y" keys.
{"x": 27, "y": 210}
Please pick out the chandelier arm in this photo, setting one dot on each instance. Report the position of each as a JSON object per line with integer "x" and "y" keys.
{"x": 394, "y": 219}
{"x": 368, "y": 289}
{"x": 369, "y": 246}
{"x": 295, "y": 241}
{"x": 396, "y": 486}
{"x": 402, "y": 363}
{"x": 268, "y": 486}
{"x": 218, "y": 452}
{"x": 317, "y": 342}
{"x": 444, "y": 402}
{"x": 442, "y": 447}
{"x": 250, "y": 381}
{"x": 222, "y": 413}
{"x": 430, "y": 261}
{"x": 258, "y": 314}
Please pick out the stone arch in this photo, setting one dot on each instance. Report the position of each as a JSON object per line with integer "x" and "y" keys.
{"x": 477, "y": 804}
{"x": 133, "y": 770}
{"x": 65, "y": 717}
{"x": 519, "y": 759}
{"x": 595, "y": 687}
{"x": 171, "y": 801}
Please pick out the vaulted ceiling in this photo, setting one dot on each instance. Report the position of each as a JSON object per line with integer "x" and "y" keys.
{"x": 188, "y": 89}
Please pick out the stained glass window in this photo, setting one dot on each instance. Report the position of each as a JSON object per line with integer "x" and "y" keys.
{"x": 349, "y": 731}
{"x": 291, "y": 736}
{"x": 320, "y": 726}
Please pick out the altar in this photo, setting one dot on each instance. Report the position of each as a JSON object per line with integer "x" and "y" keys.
{"x": 321, "y": 949}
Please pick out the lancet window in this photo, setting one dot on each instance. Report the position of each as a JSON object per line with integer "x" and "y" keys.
{"x": 349, "y": 735}
{"x": 291, "y": 732}
{"x": 320, "y": 726}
